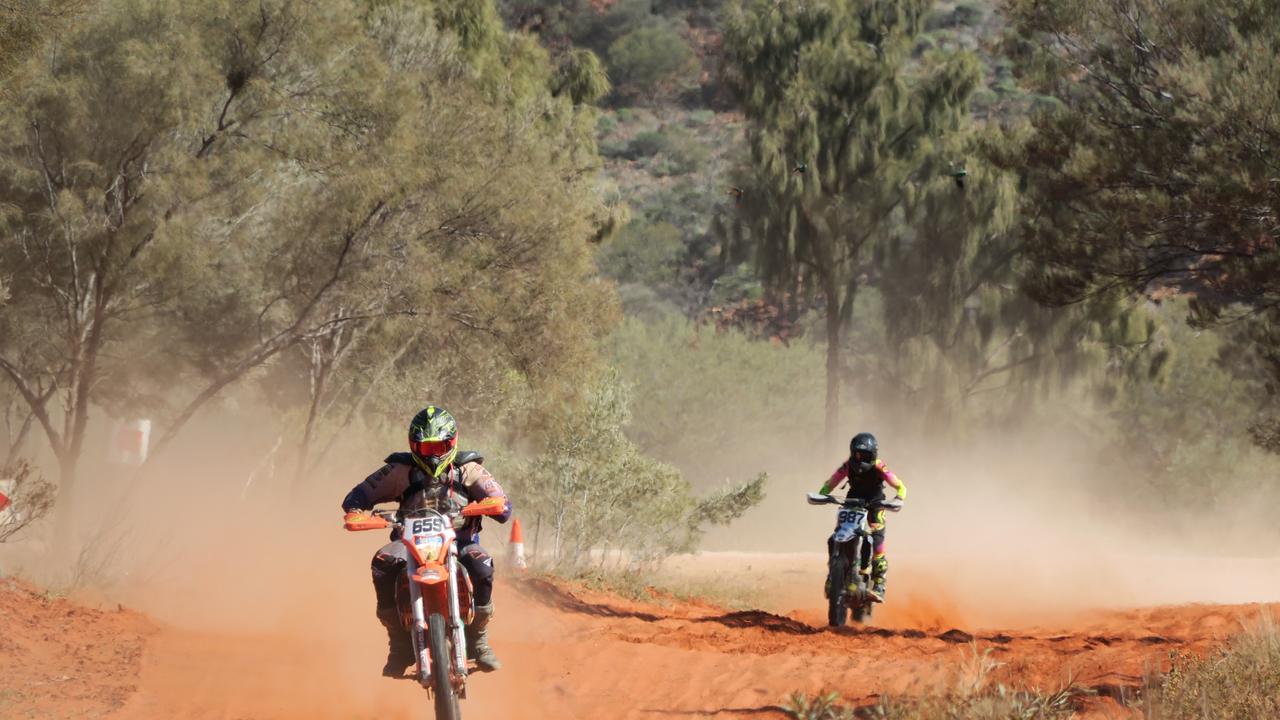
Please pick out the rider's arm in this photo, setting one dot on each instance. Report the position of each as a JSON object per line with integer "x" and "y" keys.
{"x": 892, "y": 480}
{"x": 836, "y": 478}
{"x": 385, "y": 485}
{"x": 479, "y": 484}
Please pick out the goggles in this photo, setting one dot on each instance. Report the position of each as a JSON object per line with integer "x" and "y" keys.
{"x": 432, "y": 448}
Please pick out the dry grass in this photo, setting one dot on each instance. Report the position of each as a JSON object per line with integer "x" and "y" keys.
{"x": 659, "y": 587}
{"x": 1241, "y": 682}
{"x": 995, "y": 703}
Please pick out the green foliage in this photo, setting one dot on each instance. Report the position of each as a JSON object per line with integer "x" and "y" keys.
{"x": 647, "y": 144}
{"x": 581, "y": 75}
{"x": 198, "y": 194}
{"x": 717, "y": 404}
{"x": 592, "y": 491}
{"x": 651, "y": 62}
{"x": 25, "y": 25}
{"x": 643, "y": 252}
{"x": 842, "y": 141}
{"x": 1154, "y": 171}
{"x": 1181, "y": 422}
{"x": 682, "y": 153}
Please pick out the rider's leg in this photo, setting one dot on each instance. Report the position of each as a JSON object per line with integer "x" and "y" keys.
{"x": 388, "y": 564}
{"x": 879, "y": 561}
{"x": 479, "y": 566}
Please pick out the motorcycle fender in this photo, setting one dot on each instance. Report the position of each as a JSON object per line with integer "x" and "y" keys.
{"x": 431, "y": 573}
{"x": 845, "y": 534}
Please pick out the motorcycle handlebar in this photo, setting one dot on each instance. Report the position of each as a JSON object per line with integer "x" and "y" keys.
{"x": 893, "y": 505}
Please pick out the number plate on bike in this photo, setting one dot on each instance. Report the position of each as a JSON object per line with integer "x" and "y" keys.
{"x": 848, "y": 523}
{"x": 427, "y": 525}
{"x": 854, "y": 517}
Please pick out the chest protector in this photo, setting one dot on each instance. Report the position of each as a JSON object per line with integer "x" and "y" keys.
{"x": 866, "y": 486}
{"x": 445, "y": 494}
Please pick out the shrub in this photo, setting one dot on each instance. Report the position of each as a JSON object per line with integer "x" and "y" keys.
{"x": 699, "y": 118}
{"x": 726, "y": 387}
{"x": 25, "y": 497}
{"x": 606, "y": 124}
{"x": 651, "y": 62}
{"x": 647, "y": 144}
{"x": 684, "y": 152}
{"x": 595, "y": 497}
{"x": 642, "y": 252}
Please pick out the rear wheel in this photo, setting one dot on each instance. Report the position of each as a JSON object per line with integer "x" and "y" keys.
{"x": 836, "y": 609}
{"x": 441, "y": 677}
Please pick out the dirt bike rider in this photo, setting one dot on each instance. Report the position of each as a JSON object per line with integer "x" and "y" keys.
{"x": 866, "y": 476}
{"x": 433, "y": 474}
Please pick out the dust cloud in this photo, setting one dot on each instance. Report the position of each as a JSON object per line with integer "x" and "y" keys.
{"x": 1021, "y": 527}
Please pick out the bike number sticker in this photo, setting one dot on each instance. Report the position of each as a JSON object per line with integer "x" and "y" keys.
{"x": 428, "y": 525}
{"x": 851, "y": 516}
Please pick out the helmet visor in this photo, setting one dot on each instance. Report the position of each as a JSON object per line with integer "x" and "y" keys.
{"x": 432, "y": 448}
{"x": 864, "y": 456}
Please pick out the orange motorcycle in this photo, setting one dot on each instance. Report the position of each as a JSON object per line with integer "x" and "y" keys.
{"x": 434, "y": 595}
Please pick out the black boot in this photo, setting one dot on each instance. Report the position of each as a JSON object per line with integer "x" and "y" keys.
{"x": 399, "y": 646}
{"x": 478, "y": 640}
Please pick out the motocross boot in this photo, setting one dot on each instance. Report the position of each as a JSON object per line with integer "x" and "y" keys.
{"x": 478, "y": 640}
{"x": 876, "y": 593}
{"x": 399, "y": 646}
{"x": 879, "y": 566}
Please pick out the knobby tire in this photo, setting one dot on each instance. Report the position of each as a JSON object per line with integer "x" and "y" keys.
{"x": 836, "y": 609}
{"x": 441, "y": 677}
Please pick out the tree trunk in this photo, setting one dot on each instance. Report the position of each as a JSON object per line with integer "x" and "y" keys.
{"x": 833, "y": 358}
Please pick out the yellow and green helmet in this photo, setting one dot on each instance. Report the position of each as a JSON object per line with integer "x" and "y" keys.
{"x": 433, "y": 439}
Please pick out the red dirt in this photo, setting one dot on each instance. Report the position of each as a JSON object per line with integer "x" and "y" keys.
{"x": 570, "y": 653}
{"x": 62, "y": 660}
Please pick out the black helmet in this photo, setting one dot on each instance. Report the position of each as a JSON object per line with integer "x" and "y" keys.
{"x": 862, "y": 452}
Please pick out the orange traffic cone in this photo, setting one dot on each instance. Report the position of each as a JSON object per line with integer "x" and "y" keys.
{"x": 516, "y": 547}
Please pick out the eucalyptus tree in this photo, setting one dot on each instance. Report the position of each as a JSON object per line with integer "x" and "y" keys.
{"x": 844, "y": 134}
{"x": 196, "y": 194}
{"x": 1157, "y": 172}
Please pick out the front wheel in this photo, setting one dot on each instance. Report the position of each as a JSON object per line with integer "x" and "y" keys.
{"x": 441, "y": 677}
{"x": 836, "y": 608}
{"x": 862, "y": 613}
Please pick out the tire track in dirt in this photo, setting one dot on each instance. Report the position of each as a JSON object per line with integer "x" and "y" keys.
{"x": 570, "y": 654}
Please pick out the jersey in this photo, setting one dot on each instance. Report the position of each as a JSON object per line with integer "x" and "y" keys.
{"x": 867, "y": 485}
{"x": 401, "y": 481}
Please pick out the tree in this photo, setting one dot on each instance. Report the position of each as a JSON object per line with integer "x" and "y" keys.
{"x": 842, "y": 135}
{"x": 25, "y": 25}
{"x": 194, "y": 195}
{"x": 1157, "y": 172}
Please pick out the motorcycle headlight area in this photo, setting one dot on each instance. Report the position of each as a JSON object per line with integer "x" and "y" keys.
{"x": 429, "y": 546}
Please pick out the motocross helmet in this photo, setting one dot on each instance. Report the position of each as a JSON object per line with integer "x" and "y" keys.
{"x": 862, "y": 452}
{"x": 433, "y": 440}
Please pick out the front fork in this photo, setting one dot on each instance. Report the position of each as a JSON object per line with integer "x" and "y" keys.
{"x": 854, "y": 572}
{"x": 455, "y": 620}
{"x": 419, "y": 627}
{"x": 456, "y": 626}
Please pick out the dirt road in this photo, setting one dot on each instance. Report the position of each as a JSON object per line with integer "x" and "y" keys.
{"x": 569, "y": 653}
